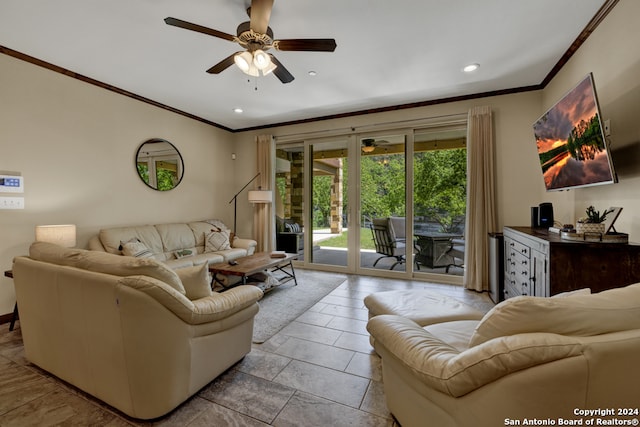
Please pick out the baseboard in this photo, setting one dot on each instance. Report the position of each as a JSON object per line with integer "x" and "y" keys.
{"x": 6, "y": 318}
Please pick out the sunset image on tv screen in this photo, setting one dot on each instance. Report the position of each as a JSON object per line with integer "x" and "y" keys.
{"x": 570, "y": 141}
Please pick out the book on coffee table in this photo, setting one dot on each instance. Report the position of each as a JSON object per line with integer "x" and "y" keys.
{"x": 278, "y": 254}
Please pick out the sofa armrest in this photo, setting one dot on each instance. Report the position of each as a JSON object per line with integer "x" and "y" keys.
{"x": 248, "y": 244}
{"x": 95, "y": 244}
{"x": 224, "y": 304}
{"x": 442, "y": 367}
{"x": 208, "y": 309}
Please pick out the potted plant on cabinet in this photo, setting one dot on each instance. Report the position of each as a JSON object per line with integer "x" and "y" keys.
{"x": 593, "y": 222}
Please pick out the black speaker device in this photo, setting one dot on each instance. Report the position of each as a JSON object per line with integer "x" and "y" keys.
{"x": 545, "y": 215}
{"x": 535, "y": 221}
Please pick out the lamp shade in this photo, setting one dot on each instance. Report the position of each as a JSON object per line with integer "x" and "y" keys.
{"x": 261, "y": 59}
{"x": 63, "y": 235}
{"x": 260, "y": 196}
{"x": 243, "y": 60}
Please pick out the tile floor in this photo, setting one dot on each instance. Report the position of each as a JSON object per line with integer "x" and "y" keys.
{"x": 320, "y": 370}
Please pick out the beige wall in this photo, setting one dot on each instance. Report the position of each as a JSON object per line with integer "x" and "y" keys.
{"x": 611, "y": 53}
{"x": 75, "y": 144}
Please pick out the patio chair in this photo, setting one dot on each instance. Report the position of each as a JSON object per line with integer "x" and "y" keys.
{"x": 385, "y": 243}
{"x": 456, "y": 251}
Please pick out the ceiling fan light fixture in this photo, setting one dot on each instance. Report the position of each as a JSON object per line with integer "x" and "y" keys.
{"x": 368, "y": 145}
{"x": 261, "y": 59}
{"x": 243, "y": 60}
{"x": 269, "y": 68}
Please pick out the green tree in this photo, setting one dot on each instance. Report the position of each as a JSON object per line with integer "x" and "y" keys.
{"x": 321, "y": 200}
{"x": 440, "y": 186}
{"x": 382, "y": 186}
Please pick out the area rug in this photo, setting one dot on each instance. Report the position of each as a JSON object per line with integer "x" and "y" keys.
{"x": 284, "y": 304}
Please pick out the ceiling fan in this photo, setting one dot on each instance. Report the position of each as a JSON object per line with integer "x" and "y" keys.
{"x": 256, "y": 37}
{"x": 369, "y": 145}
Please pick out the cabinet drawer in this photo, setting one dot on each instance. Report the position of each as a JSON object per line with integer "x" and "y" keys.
{"x": 513, "y": 247}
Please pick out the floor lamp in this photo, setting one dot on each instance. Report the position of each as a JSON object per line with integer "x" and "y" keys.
{"x": 255, "y": 196}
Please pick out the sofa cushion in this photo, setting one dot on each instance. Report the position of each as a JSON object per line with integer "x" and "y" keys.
{"x": 293, "y": 227}
{"x": 457, "y": 333}
{"x": 199, "y": 230}
{"x": 102, "y": 262}
{"x": 147, "y": 234}
{"x": 217, "y": 240}
{"x": 183, "y": 253}
{"x": 578, "y": 315}
{"x": 175, "y": 236}
{"x": 136, "y": 248}
{"x": 196, "y": 281}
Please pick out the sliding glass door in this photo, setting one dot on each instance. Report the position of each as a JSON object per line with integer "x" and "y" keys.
{"x": 384, "y": 244}
{"x": 439, "y": 200}
{"x": 329, "y": 202}
{"x": 379, "y": 203}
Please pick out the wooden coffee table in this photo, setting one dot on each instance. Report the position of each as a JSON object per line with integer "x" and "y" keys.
{"x": 261, "y": 261}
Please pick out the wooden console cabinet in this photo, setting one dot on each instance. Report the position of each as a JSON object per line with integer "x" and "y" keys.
{"x": 540, "y": 263}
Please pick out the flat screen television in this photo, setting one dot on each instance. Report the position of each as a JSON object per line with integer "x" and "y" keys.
{"x": 570, "y": 140}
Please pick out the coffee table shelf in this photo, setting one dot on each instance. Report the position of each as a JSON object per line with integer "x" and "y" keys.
{"x": 252, "y": 264}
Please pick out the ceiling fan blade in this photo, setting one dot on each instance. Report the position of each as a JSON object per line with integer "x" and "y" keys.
{"x": 281, "y": 73}
{"x": 198, "y": 28}
{"x": 311, "y": 45}
{"x": 222, "y": 65}
{"x": 260, "y": 15}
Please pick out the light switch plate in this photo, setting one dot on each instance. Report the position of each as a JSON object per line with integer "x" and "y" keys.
{"x": 11, "y": 202}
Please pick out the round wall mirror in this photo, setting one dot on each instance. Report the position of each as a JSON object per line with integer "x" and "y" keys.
{"x": 159, "y": 164}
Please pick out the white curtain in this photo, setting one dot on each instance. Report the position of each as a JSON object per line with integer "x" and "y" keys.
{"x": 481, "y": 211}
{"x": 263, "y": 218}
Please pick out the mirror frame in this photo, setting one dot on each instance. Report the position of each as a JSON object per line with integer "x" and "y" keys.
{"x": 168, "y": 155}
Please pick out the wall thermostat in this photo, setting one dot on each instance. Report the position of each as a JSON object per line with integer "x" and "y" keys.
{"x": 11, "y": 184}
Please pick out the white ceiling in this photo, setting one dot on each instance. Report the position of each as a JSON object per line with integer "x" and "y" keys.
{"x": 388, "y": 52}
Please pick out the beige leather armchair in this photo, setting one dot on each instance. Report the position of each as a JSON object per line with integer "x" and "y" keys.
{"x": 129, "y": 331}
{"x": 529, "y": 357}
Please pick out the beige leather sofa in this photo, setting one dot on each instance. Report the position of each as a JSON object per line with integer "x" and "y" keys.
{"x": 164, "y": 241}
{"x": 533, "y": 358}
{"x": 129, "y": 331}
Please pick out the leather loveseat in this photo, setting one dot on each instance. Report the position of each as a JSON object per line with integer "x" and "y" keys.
{"x": 529, "y": 358}
{"x": 129, "y": 331}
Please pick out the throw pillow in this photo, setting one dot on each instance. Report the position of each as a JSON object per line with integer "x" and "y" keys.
{"x": 135, "y": 248}
{"x": 293, "y": 227}
{"x": 196, "y": 281}
{"x": 181, "y": 253}
{"x": 216, "y": 240}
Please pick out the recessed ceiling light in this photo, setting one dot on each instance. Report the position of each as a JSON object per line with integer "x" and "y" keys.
{"x": 238, "y": 110}
{"x": 470, "y": 68}
{"x": 313, "y": 73}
